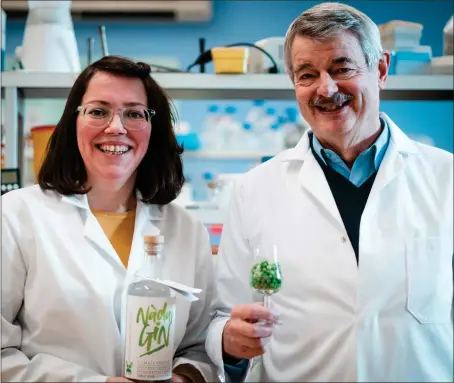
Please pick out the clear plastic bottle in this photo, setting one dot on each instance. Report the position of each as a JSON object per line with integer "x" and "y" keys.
{"x": 256, "y": 112}
{"x": 246, "y": 139}
{"x": 150, "y": 321}
{"x": 210, "y": 134}
{"x": 230, "y": 127}
{"x": 290, "y": 128}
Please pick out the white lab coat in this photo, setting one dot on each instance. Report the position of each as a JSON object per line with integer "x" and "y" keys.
{"x": 63, "y": 287}
{"x": 388, "y": 319}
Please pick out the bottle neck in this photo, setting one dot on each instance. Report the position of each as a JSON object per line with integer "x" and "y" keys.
{"x": 151, "y": 263}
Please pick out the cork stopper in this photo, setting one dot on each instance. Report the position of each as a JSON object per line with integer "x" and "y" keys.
{"x": 153, "y": 239}
{"x": 153, "y": 244}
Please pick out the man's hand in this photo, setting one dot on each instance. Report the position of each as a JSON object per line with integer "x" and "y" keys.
{"x": 243, "y": 337}
{"x": 175, "y": 379}
{"x": 179, "y": 379}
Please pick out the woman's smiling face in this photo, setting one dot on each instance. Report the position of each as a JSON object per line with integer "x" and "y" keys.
{"x": 112, "y": 153}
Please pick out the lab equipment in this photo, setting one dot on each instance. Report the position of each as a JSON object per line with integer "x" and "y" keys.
{"x": 49, "y": 43}
{"x": 230, "y": 59}
{"x": 260, "y": 63}
{"x": 10, "y": 180}
{"x": 210, "y": 135}
{"x": 266, "y": 272}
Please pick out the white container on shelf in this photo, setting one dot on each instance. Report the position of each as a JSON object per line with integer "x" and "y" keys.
{"x": 258, "y": 62}
{"x": 398, "y": 35}
{"x": 442, "y": 65}
{"x": 49, "y": 43}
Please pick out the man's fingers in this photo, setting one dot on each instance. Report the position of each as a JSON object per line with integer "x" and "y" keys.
{"x": 247, "y": 342}
{"x": 254, "y": 312}
{"x": 244, "y": 329}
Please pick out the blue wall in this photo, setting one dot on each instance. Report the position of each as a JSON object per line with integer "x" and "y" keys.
{"x": 248, "y": 21}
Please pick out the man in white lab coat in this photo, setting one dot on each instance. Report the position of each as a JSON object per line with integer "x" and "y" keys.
{"x": 362, "y": 219}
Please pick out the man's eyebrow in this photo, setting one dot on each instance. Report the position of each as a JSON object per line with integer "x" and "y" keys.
{"x": 302, "y": 66}
{"x": 342, "y": 60}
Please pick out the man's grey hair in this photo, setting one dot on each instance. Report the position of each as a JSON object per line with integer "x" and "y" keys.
{"x": 325, "y": 21}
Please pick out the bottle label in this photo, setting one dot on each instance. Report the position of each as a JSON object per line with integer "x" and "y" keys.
{"x": 150, "y": 325}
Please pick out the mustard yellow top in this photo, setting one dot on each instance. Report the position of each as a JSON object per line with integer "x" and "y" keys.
{"x": 119, "y": 228}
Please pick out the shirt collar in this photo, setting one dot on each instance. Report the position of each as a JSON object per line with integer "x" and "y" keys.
{"x": 377, "y": 150}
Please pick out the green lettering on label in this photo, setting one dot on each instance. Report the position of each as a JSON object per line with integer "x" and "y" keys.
{"x": 156, "y": 321}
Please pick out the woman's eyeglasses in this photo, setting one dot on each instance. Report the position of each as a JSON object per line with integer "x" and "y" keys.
{"x": 99, "y": 116}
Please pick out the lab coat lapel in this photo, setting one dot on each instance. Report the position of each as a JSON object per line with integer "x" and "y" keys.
{"x": 313, "y": 180}
{"x": 93, "y": 231}
{"x": 146, "y": 215}
{"x": 394, "y": 161}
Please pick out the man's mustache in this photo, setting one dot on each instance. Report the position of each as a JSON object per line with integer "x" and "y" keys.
{"x": 336, "y": 99}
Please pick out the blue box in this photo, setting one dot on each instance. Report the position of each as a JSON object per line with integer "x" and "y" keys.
{"x": 190, "y": 141}
{"x": 410, "y": 63}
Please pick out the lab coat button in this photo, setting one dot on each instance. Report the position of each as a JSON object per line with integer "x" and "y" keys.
{"x": 343, "y": 239}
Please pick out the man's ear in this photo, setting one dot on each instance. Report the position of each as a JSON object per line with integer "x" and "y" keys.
{"x": 383, "y": 68}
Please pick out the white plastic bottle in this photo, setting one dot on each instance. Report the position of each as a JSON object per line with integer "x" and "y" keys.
{"x": 261, "y": 128}
{"x": 150, "y": 320}
{"x": 256, "y": 112}
{"x": 229, "y": 129}
{"x": 246, "y": 140}
{"x": 290, "y": 129}
{"x": 210, "y": 134}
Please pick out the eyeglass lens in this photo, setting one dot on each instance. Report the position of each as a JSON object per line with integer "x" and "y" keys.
{"x": 132, "y": 118}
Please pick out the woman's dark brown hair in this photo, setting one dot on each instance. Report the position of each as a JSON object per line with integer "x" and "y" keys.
{"x": 160, "y": 173}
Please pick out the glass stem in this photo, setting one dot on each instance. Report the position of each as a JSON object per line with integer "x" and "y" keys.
{"x": 267, "y": 301}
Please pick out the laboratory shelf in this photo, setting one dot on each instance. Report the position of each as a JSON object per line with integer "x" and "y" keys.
{"x": 211, "y": 86}
{"x": 227, "y": 155}
{"x": 19, "y": 85}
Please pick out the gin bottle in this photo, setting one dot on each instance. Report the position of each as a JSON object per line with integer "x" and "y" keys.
{"x": 150, "y": 319}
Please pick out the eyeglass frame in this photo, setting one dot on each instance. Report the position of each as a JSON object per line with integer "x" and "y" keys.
{"x": 151, "y": 113}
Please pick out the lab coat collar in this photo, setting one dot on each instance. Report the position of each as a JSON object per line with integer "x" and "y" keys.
{"x": 154, "y": 212}
{"x": 401, "y": 142}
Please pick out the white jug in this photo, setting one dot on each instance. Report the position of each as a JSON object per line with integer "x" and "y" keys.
{"x": 49, "y": 43}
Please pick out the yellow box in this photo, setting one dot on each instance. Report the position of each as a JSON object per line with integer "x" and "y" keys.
{"x": 230, "y": 59}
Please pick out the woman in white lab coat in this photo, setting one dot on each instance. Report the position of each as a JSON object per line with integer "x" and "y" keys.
{"x": 71, "y": 244}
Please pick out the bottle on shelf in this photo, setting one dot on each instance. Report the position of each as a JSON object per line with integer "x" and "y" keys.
{"x": 150, "y": 320}
{"x": 256, "y": 112}
{"x": 246, "y": 139}
{"x": 290, "y": 128}
{"x": 262, "y": 126}
{"x": 276, "y": 138}
{"x": 211, "y": 187}
{"x": 210, "y": 134}
{"x": 230, "y": 129}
